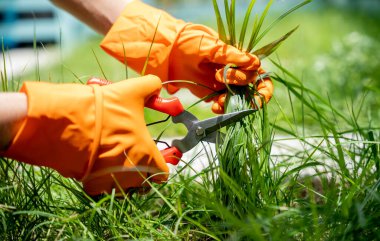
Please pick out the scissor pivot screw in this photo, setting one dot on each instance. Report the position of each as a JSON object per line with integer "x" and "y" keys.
{"x": 200, "y": 131}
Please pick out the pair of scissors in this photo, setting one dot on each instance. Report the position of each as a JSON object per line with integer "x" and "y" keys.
{"x": 198, "y": 130}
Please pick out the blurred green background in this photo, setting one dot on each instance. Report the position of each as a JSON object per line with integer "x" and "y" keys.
{"x": 335, "y": 52}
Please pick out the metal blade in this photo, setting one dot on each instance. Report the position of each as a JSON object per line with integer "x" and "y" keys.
{"x": 215, "y": 137}
{"x": 204, "y": 130}
{"x": 213, "y": 124}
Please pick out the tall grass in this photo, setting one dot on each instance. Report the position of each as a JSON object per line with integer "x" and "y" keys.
{"x": 337, "y": 199}
{"x": 245, "y": 154}
{"x": 255, "y": 191}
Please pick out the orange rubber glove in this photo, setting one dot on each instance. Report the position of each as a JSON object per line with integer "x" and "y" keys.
{"x": 180, "y": 51}
{"x": 264, "y": 88}
{"x": 96, "y": 134}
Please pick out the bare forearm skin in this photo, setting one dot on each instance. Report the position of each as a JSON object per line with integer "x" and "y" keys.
{"x": 98, "y": 14}
{"x": 13, "y": 110}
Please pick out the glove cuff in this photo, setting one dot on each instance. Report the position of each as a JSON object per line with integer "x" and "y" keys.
{"x": 58, "y": 131}
{"x": 141, "y": 31}
{"x": 98, "y": 129}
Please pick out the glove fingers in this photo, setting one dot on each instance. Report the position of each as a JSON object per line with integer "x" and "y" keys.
{"x": 265, "y": 87}
{"x": 158, "y": 169}
{"x": 226, "y": 54}
{"x": 125, "y": 179}
{"x": 126, "y": 148}
{"x": 236, "y": 76}
{"x": 218, "y": 106}
{"x": 143, "y": 87}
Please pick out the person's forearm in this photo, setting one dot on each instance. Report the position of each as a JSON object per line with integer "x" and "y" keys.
{"x": 13, "y": 110}
{"x": 98, "y": 14}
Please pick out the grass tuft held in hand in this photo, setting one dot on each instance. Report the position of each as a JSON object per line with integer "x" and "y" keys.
{"x": 244, "y": 155}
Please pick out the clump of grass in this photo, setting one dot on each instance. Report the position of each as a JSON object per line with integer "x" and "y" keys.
{"x": 258, "y": 194}
{"x": 244, "y": 155}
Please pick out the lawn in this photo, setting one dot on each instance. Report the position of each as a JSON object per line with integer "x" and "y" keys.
{"x": 326, "y": 80}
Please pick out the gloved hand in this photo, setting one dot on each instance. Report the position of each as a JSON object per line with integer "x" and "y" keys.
{"x": 96, "y": 134}
{"x": 179, "y": 51}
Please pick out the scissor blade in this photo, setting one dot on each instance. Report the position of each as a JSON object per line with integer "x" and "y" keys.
{"x": 204, "y": 130}
{"x": 213, "y": 124}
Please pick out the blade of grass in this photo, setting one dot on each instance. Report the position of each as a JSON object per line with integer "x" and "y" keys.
{"x": 271, "y": 47}
{"x": 221, "y": 29}
{"x": 4, "y": 78}
{"x": 233, "y": 22}
{"x": 257, "y": 27}
{"x": 125, "y": 58}
{"x": 100, "y": 66}
{"x": 375, "y": 153}
{"x": 37, "y": 73}
{"x": 62, "y": 79}
{"x": 293, "y": 88}
{"x": 150, "y": 47}
{"x": 266, "y": 137}
{"x": 3, "y": 82}
{"x": 226, "y": 68}
{"x": 72, "y": 72}
{"x": 339, "y": 149}
{"x": 230, "y": 17}
{"x": 257, "y": 40}
{"x": 245, "y": 24}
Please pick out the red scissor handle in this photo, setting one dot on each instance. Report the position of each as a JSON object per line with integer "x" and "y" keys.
{"x": 98, "y": 81}
{"x": 171, "y": 106}
{"x": 171, "y": 155}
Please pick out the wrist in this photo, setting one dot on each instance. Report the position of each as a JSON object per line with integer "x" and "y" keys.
{"x": 57, "y": 131}
{"x": 12, "y": 114}
{"x": 98, "y": 14}
{"x": 142, "y": 30}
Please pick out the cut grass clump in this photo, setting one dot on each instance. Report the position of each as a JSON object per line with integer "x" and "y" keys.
{"x": 244, "y": 154}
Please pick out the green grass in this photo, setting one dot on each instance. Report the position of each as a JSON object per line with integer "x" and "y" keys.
{"x": 328, "y": 189}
